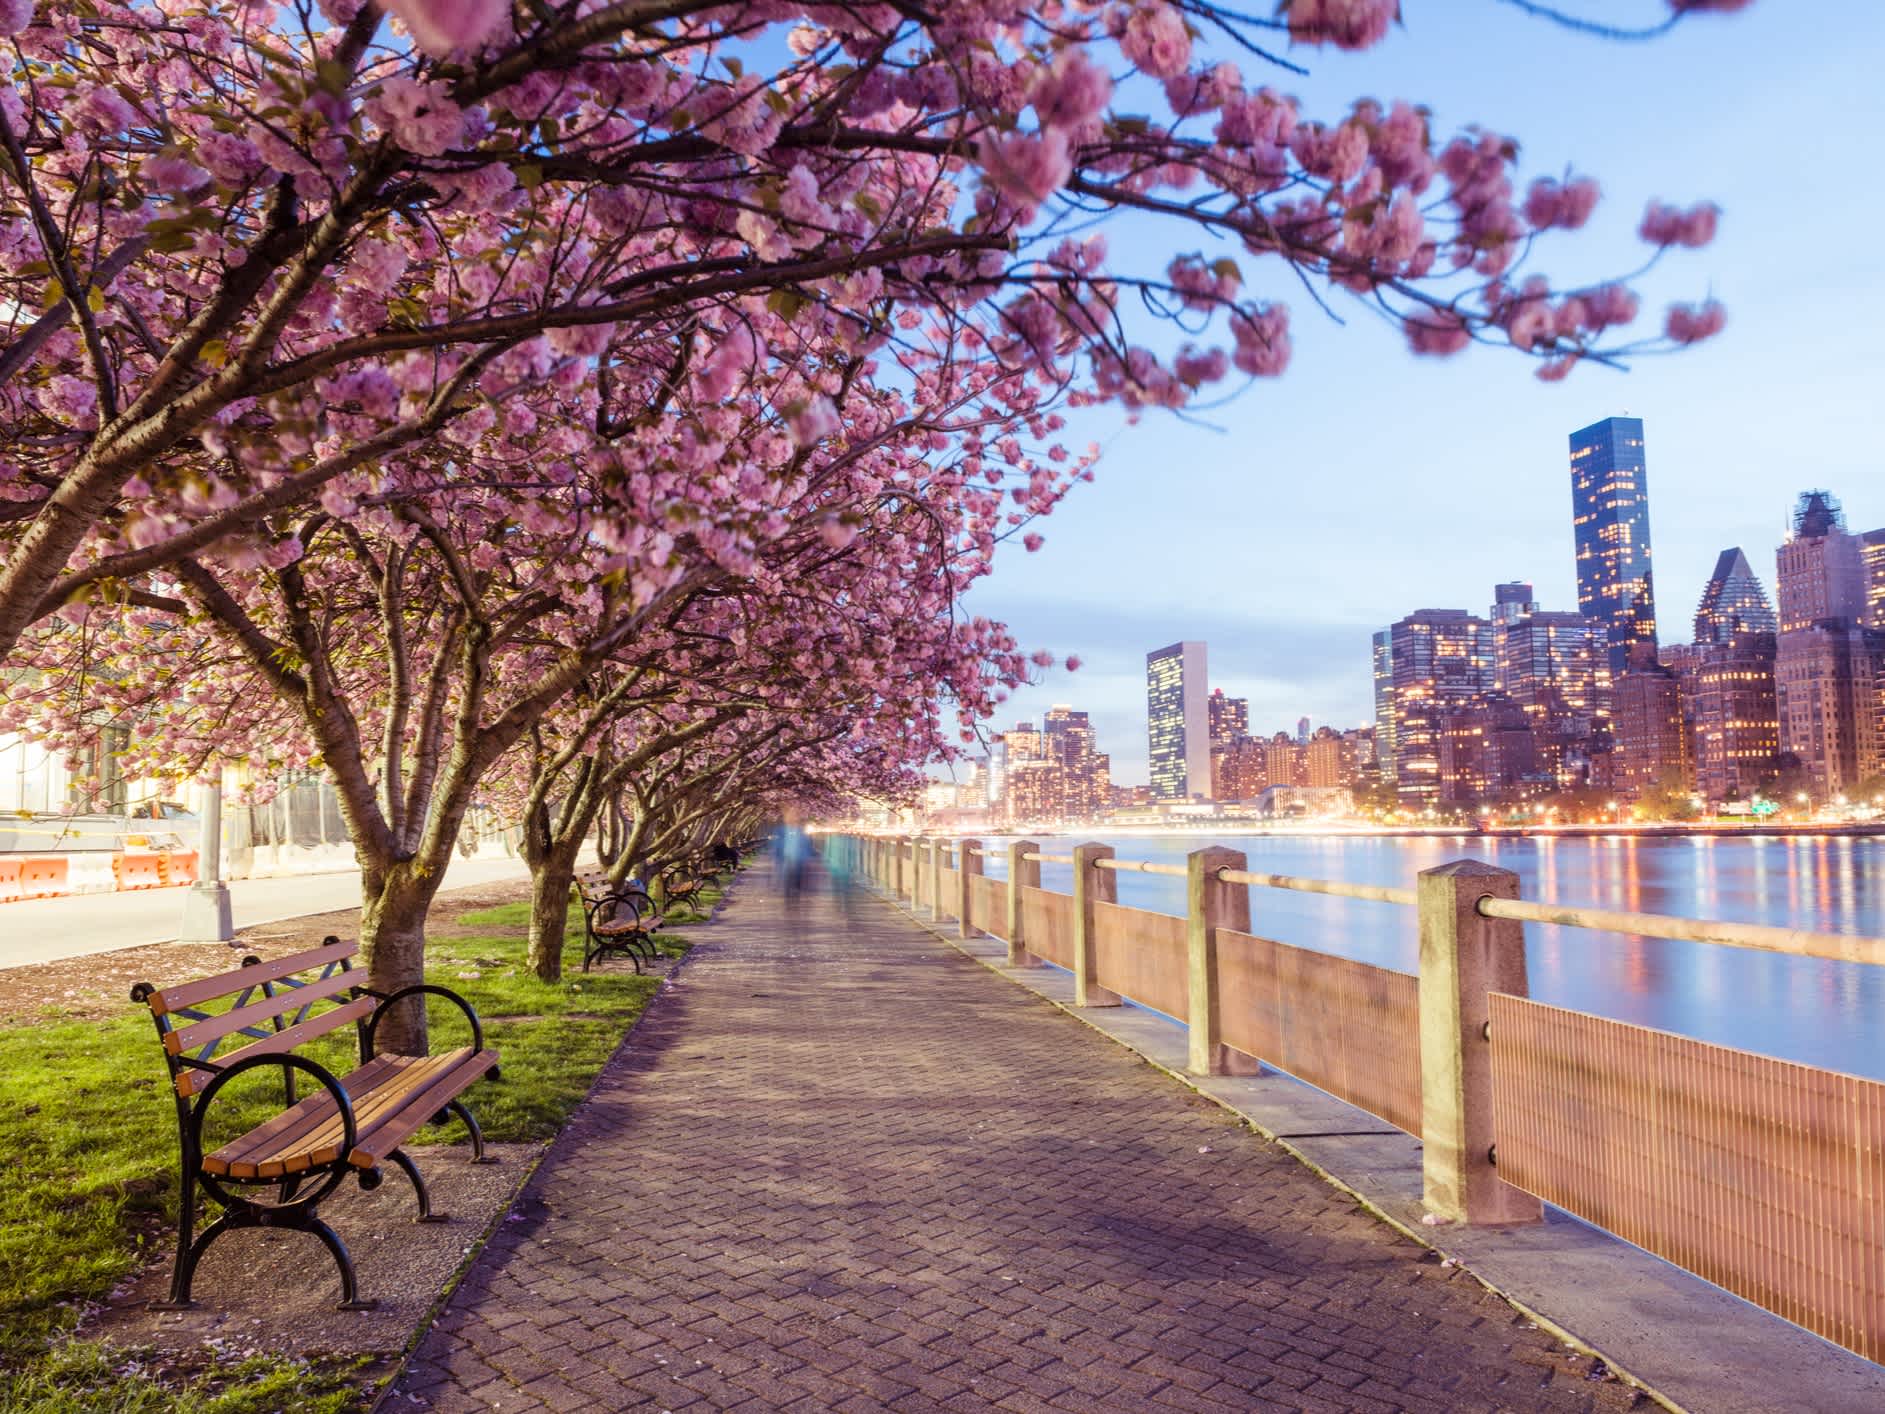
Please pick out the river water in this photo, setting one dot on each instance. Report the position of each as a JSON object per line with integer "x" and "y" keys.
{"x": 1829, "y": 1014}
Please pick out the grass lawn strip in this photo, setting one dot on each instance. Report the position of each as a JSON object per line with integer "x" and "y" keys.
{"x": 89, "y": 1128}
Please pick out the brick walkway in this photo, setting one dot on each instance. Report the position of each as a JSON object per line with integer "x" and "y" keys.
{"x": 845, "y": 1168}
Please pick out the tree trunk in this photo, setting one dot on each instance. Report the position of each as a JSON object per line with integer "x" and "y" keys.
{"x": 393, "y": 907}
{"x": 551, "y": 876}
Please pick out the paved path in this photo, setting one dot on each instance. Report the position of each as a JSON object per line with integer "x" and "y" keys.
{"x": 842, "y": 1167}
{"x": 46, "y": 929}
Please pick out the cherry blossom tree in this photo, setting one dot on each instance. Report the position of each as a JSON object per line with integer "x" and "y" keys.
{"x": 257, "y": 260}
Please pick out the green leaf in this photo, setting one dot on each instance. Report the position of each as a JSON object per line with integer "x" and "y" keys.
{"x": 530, "y": 176}
{"x": 215, "y": 353}
{"x": 95, "y": 300}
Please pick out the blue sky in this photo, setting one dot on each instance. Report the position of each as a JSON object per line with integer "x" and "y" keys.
{"x": 1367, "y": 483}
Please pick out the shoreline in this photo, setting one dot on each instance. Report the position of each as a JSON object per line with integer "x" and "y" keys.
{"x": 1857, "y": 829}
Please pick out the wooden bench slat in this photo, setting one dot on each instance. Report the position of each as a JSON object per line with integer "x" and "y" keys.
{"x": 288, "y": 999}
{"x": 288, "y": 1131}
{"x": 192, "y": 1082}
{"x": 396, "y": 1127}
{"x": 399, "y": 1097}
{"x": 404, "y": 1075}
{"x": 187, "y": 994}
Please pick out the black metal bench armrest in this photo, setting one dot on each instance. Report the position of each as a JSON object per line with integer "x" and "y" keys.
{"x": 385, "y": 1000}
{"x": 350, "y": 1132}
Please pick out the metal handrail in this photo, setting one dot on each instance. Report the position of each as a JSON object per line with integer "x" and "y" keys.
{"x": 1377, "y": 893}
{"x": 1048, "y": 858}
{"x": 1140, "y": 866}
{"x": 1834, "y": 947}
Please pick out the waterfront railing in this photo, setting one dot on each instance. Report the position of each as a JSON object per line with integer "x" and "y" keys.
{"x": 1764, "y": 1176}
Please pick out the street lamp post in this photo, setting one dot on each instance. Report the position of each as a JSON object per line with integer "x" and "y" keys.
{"x": 206, "y": 913}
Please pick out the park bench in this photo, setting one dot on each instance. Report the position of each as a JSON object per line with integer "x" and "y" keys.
{"x": 683, "y": 889}
{"x": 618, "y": 921}
{"x": 350, "y": 1125}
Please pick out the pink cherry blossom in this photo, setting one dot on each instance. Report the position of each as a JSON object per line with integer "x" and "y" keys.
{"x": 1548, "y": 204}
{"x": 15, "y": 15}
{"x": 1347, "y": 24}
{"x": 1072, "y": 93}
{"x": 441, "y": 26}
{"x": 1690, "y": 324}
{"x": 1666, "y": 225}
{"x": 1155, "y": 38}
{"x": 1027, "y": 168}
{"x": 418, "y": 115}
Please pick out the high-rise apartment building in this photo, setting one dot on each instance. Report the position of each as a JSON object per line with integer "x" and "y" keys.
{"x": 1553, "y": 664}
{"x": 1442, "y": 659}
{"x": 1734, "y": 601}
{"x": 1240, "y": 769}
{"x": 1734, "y": 723}
{"x": 1178, "y": 724}
{"x": 1384, "y": 705}
{"x": 1229, "y": 717}
{"x": 1872, "y": 555}
{"x": 1610, "y": 523}
{"x": 1652, "y": 744}
{"x": 1829, "y": 663}
{"x": 1331, "y": 759}
{"x": 1086, "y": 776}
{"x": 1821, "y": 566}
{"x": 1487, "y": 751}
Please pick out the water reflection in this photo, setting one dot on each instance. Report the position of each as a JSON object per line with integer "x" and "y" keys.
{"x": 1821, "y": 1013}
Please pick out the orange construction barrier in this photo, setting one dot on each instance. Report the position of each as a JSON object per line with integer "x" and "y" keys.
{"x": 139, "y": 871}
{"x": 178, "y": 867}
{"x": 42, "y": 876}
{"x": 9, "y": 880}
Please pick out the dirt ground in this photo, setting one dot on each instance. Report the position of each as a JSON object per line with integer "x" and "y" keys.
{"x": 98, "y": 987}
{"x": 273, "y": 1291}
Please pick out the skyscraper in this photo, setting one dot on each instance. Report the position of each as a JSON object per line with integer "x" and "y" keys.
{"x": 1821, "y": 567}
{"x": 1384, "y": 706}
{"x": 1733, "y": 602}
{"x": 1828, "y": 663}
{"x": 1553, "y": 665}
{"x": 1178, "y": 723}
{"x": 1230, "y": 718}
{"x": 1652, "y": 737}
{"x": 1068, "y": 741}
{"x": 1735, "y": 724}
{"x": 1442, "y": 660}
{"x": 1610, "y": 522}
{"x": 1872, "y": 554}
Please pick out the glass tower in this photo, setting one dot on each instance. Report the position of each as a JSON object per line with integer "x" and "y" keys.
{"x": 1610, "y": 521}
{"x": 1178, "y": 722}
{"x": 1734, "y": 601}
{"x": 1384, "y": 705}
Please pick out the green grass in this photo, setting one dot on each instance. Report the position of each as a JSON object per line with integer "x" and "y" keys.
{"x": 89, "y": 1128}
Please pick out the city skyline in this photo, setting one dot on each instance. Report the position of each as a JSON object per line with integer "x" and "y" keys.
{"x": 1724, "y": 586}
{"x": 1292, "y": 522}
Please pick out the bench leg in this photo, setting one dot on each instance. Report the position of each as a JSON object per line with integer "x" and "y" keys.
{"x": 187, "y": 1250}
{"x": 349, "y": 1287}
{"x": 478, "y": 1156}
{"x": 411, "y": 1170}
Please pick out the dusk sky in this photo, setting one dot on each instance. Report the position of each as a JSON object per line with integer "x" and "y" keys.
{"x": 1367, "y": 483}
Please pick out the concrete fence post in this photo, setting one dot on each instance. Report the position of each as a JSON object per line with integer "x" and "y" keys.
{"x": 936, "y": 900}
{"x": 1091, "y": 885}
{"x": 1211, "y": 904}
{"x": 1022, "y": 873}
{"x": 900, "y": 869}
{"x": 1464, "y": 956}
{"x": 968, "y": 866}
